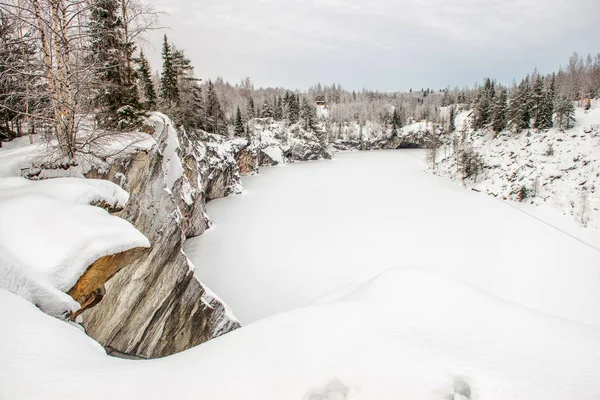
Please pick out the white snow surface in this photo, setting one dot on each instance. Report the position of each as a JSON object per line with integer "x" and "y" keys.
{"x": 419, "y": 290}
{"x": 408, "y": 334}
{"x": 308, "y": 229}
{"x": 77, "y": 190}
{"x": 49, "y": 236}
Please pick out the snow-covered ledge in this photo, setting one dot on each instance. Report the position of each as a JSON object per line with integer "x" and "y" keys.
{"x": 50, "y": 235}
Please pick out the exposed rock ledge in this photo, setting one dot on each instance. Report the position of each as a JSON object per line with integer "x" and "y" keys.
{"x": 155, "y": 306}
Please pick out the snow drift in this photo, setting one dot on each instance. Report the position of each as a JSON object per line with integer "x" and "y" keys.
{"x": 407, "y": 334}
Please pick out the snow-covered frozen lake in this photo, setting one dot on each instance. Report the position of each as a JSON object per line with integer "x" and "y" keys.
{"x": 307, "y": 230}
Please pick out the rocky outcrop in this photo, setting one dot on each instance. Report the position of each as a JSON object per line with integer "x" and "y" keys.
{"x": 411, "y": 140}
{"x": 155, "y": 306}
{"x": 90, "y": 288}
{"x": 370, "y": 136}
{"x": 272, "y": 142}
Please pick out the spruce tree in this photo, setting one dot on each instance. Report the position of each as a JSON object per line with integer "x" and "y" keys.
{"x": 294, "y": 108}
{"x": 308, "y": 113}
{"x": 186, "y": 105}
{"x": 115, "y": 97}
{"x": 267, "y": 110}
{"x": 20, "y": 77}
{"x": 278, "y": 111}
{"x": 539, "y": 103}
{"x": 239, "y": 123}
{"x": 215, "y": 118}
{"x": 145, "y": 83}
{"x": 182, "y": 66}
{"x": 483, "y": 105}
{"x": 545, "y": 109}
{"x": 549, "y": 99}
{"x": 447, "y": 99}
{"x": 519, "y": 109}
{"x": 565, "y": 113}
{"x": 514, "y": 107}
{"x": 169, "y": 93}
{"x": 250, "y": 111}
{"x": 526, "y": 104}
{"x": 286, "y": 105}
{"x": 451, "y": 120}
{"x": 499, "y": 112}
{"x": 396, "y": 122}
{"x": 193, "y": 115}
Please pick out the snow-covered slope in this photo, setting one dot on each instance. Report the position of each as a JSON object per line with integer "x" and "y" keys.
{"x": 556, "y": 168}
{"x": 408, "y": 334}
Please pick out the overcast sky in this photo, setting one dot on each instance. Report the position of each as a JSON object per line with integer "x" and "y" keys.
{"x": 383, "y": 45}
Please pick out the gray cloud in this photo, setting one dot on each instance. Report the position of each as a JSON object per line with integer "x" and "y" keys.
{"x": 380, "y": 44}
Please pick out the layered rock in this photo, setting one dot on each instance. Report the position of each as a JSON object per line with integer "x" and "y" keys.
{"x": 413, "y": 136}
{"x": 272, "y": 142}
{"x": 155, "y": 306}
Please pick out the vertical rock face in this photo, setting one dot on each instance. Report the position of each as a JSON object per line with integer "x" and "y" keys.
{"x": 155, "y": 306}
{"x": 276, "y": 142}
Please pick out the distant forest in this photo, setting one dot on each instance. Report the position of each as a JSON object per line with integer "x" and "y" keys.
{"x": 63, "y": 62}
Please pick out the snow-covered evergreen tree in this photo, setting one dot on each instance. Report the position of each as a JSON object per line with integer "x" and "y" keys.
{"x": 565, "y": 113}
{"x": 278, "y": 109}
{"x": 250, "y": 110}
{"x": 215, "y": 118}
{"x": 447, "y": 99}
{"x": 146, "y": 85}
{"x": 169, "y": 93}
{"x": 396, "y": 122}
{"x": 520, "y": 106}
{"x": 539, "y": 103}
{"x": 482, "y": 109}
{"x": 239, "y": 123}
{"x": 499, "y": 112}
{"x": 308, "y": 114}
{"x": 548, "y": 109}
{"x": 115, "y": 97}
{"x": 451, "y": 120}
{"x": 267, "y": 110}
{"x": 294, "y": 108}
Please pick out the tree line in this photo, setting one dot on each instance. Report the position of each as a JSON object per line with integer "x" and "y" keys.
{"x": 63, "y": 62}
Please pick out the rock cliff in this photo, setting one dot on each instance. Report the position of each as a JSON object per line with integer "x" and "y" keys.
{"x": 155, "y": 306}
